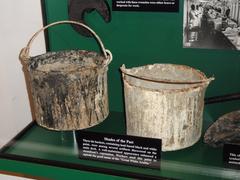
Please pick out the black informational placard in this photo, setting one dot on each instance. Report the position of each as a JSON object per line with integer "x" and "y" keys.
{"x": 146, "y": 5}
{"x": 231, "y": 155}
{"x": 122, "y": 149}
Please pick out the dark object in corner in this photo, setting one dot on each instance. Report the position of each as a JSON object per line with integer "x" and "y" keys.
{"x": 225, "y": 130}
{"x": 78, "y": 8}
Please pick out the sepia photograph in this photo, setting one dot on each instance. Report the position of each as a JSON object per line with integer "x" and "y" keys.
{"x": 211, "y": 24}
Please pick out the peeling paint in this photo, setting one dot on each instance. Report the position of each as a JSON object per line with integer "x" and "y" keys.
{"x": 69, "y": 89}
{"x": 171, "y": 112}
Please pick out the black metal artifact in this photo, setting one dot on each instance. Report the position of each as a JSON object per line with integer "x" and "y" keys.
{"x": 225, "y": 130}
{"x": 78, "y": 8}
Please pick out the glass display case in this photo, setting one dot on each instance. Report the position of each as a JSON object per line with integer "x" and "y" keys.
{"x": 36, "y": 144}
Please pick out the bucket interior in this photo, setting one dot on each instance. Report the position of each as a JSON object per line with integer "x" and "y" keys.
{"x": 149, "y": 74}
{"x": 66, "y": 61}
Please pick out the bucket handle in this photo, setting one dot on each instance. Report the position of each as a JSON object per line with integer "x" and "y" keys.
{"x": 24, "y": 54}
{"x": 165, "y": 81}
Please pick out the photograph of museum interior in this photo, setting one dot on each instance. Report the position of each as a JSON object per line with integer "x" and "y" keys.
{"x": 211, "y": 24}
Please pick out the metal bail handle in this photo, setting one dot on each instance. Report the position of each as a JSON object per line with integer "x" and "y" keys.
{"x": 165, "y": 81}
{"x": 24, "y": 54}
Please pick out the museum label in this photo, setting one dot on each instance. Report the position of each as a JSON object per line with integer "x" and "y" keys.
{"x": 146, "y": 5}
{"x": 231, "y": 155}
{"x": 122, "y": 149}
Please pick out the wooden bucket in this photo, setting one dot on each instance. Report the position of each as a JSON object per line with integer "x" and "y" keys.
{"x": 165, "y": 101}
{"x": 68, "y": 88}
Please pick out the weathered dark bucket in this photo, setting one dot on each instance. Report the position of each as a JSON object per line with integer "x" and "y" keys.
{"x": 68, "y": 88}
{"x": 165, "y": 101}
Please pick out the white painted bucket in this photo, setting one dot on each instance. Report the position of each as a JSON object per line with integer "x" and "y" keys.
{"x": 165, "y": 101}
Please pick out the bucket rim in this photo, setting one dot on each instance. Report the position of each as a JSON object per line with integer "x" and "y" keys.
{"x": 34, "y": 61}
{"x": 169, "y": 91}
{"x": 67, "y": 50}
{"x": 202, "y": 76}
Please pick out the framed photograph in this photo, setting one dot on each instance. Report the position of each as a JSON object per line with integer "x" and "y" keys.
{"x": 211, "y": 24}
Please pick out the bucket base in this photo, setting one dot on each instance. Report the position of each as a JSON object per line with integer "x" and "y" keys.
{"x": 73, "y": 128}
{"x": 166, "y": 149}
